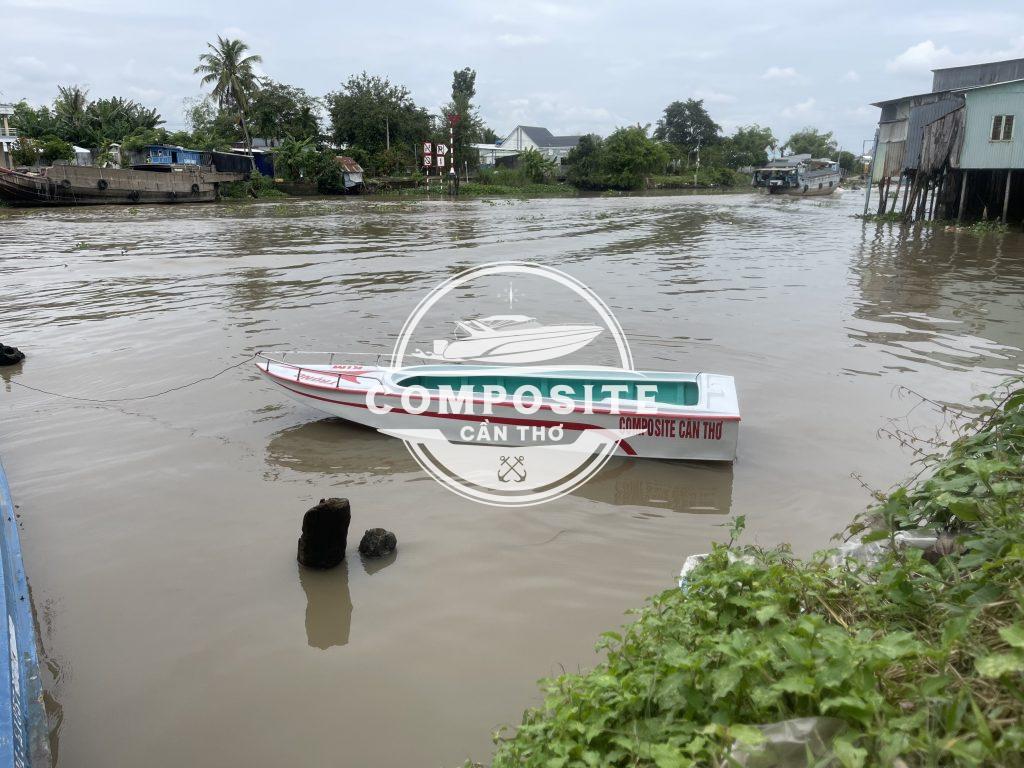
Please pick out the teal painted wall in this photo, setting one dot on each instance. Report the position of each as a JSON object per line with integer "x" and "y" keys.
{"x": 982, "y": 105}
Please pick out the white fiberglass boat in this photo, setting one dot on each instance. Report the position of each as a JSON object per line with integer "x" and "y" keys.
{"x": 510, "y": 339}
{"x": 655, "y": 414}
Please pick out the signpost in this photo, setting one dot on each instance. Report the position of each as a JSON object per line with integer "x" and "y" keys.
{"x": 442, "y": 155}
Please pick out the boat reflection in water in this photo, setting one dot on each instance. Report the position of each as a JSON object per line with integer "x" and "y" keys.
{"x": 655, "y": 484}
{"x": 339, "y": 447}
{"x": 364, "y": 456}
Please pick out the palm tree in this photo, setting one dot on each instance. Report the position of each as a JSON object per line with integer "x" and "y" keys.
{"x": 70, "y": 110}
{"x": 232, "y": 75}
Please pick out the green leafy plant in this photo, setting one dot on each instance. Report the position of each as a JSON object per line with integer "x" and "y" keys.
{"x": 918, "y": 656}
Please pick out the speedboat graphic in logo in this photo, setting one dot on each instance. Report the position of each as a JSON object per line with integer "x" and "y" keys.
{"x": 491, "y": 418}
{"x": 510, "y": 339}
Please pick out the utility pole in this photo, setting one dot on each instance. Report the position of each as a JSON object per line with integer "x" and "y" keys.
{"x": 697, "y": 166}
{"x": 387, "y": 131}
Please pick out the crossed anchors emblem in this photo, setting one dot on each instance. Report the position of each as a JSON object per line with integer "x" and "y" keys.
{"x": 511, "y": 469}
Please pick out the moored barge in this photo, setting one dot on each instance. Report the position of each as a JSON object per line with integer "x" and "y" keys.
{"x": 60, "y": 185}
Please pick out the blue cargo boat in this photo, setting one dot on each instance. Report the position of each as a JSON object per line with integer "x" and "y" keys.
{"x": 24, "y": 737}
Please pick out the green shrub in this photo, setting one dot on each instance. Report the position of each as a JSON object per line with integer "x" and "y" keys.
{"x": 258, "y": 186}
{"x": 919, "y": 657}
{"x": 26, "y": 151}
{"x": 53, "y": 149}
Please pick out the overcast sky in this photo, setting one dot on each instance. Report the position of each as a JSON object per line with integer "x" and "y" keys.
{"x": 573, "y": 67}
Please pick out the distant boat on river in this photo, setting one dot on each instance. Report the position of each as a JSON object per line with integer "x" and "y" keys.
{"x": 799, "y": 175}
{"x": 158, "y": 174}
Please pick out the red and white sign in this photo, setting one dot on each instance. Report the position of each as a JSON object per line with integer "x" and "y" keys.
{"x": 440, "y": 161}
{"x": 428, "y": 160}
{"x": 428, "y": 148}
{"x": 442, "y": 149}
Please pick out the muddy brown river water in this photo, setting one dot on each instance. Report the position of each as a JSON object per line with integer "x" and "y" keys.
{"x": 159, "y": 534}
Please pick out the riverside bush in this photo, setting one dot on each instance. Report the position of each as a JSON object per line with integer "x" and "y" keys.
{"x": 919, "y": 656}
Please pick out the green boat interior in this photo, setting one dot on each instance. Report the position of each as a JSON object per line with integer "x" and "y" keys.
{"x": 668, "y": 392}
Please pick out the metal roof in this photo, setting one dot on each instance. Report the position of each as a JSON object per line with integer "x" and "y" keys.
{"x": 987, "y": 73}
{"x": 348, "y": 164}
{"x": 542, "y": 137}
{"x": 986, "y": 85}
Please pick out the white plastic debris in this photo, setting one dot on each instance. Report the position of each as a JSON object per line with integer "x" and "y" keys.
{"x": 689, "y": 565}
{"x": 787, "y": 743}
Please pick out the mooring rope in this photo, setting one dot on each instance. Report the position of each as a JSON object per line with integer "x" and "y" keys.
{"x": 138, "y": 397}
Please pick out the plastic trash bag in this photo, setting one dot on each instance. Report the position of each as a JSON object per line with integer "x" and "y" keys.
{"x": 789, "y": 743}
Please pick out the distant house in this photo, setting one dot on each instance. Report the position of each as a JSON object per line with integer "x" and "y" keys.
{"x": 165, "y": 154}
{"x": 956, "y": 151}
{"x": 8, "y": 136}
{"x": 522, "y": 138}
{"x": 351, "y": 172}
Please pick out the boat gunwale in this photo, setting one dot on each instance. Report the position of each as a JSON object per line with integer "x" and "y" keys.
{"x": 664, "y": 410}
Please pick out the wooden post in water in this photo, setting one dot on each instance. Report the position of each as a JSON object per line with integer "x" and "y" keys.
{"x": 906, "y": 191}
{"x": 1006, "y": 196}
{"x": 871, "y": 174}
{"x": 963, "y": 195}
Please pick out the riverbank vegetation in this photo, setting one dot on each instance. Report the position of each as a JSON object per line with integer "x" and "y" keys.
{"x": 904, "y": 655}
{"x": 380, "y": 125}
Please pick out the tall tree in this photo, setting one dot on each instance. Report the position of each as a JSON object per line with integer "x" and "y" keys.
{"x": 749, "y": 145}
{"x": 115, "y": 118}
{"x": 69, "y": 109}
{"x": 688, "y": 125}
{"x": 628, "y": 157}
{"x": 231, "y": 73}
{"x": 810, "y": 141}
{"x": 279, "y": 111}
{"x": 369, "y": 111}
{"x": 470, "y": 127}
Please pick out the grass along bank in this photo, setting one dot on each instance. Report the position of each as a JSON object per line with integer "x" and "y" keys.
{"x": 911, "y": 657}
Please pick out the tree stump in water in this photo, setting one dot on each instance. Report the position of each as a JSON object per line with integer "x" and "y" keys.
{"x": 10, "y": 355}
{"x": 325, "y": 534}
{"x": 377, "y": 542}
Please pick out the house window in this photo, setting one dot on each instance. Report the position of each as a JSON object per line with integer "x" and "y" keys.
{"x": 1002, "y": 128}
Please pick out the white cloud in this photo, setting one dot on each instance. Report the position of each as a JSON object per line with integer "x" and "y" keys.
{"x": 923, "y": 58}
{"x": 712, "y": 96}
{"x": 926, "y": 56}
{"x": 851, "y": 76}
{"x": 234, "y": 33}
{"x": 779, "y": 73}
{"x": 518, "y": 41}
{"x": 802, "y": 108}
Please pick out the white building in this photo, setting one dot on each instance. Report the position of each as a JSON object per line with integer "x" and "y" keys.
{"x": 8, "y": 136}
{"x": 524, "y": 137}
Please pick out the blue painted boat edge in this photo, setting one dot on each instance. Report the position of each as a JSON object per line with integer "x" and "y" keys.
{"x": 24, "y": 729}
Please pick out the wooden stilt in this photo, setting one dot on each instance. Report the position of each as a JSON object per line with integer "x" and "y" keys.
{"x": 963, "y": 196}
{"x": 1006, "y": 195}
{"x": 906, "y": 191}
{"x": 911, "y": 203}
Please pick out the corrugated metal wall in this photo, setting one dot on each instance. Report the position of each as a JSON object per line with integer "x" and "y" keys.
{"x": 982, "y": 104}
{"x": 919, "y": 118}
{"x": 877, "y": 174}
{"x": 894, "y": 131}
{"x": 893, "y": 165}
{"x": 889, "y": 160}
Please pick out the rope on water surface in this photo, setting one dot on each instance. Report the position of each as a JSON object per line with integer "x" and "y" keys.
{"x": 137, "y": 397}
